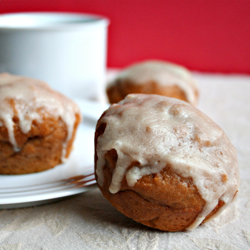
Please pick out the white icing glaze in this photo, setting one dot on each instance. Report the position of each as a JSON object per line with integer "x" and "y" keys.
{"x": 162, "y": 73}
{"x": 29, "y": 95}
{"x": 156, "y": 130}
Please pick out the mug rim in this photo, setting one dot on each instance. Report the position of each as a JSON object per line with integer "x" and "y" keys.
{"x": 50, "y": 21}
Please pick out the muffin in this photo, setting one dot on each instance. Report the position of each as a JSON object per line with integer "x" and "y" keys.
{"x": 154, "y": 77}
{"x": 163, "y": 163}
{"x": 37, "y": 125}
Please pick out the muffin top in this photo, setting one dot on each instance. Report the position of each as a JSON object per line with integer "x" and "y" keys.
{"x": 163, "y": 73}
{"x": 29, "y": 100}
{"x": 157, "y": 130}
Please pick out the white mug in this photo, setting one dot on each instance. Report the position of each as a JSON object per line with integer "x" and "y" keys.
{"x": 66, "y": 50}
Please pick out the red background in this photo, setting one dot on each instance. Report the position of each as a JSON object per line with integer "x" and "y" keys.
{"x": 204, "y": 35}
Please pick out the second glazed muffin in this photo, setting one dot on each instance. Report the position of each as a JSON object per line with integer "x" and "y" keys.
{"x": 163, "y": 163}
{"x": 154, "y": 77}
{"x": 37, "y": 125}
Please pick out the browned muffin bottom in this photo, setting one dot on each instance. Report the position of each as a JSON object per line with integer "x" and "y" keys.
{"x": 165, "y": 201}
{"x": 40, "y": 149}
{"x": 124, "y": 87}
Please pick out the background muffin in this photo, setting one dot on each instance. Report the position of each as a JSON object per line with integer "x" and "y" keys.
{"x": 37, "y": 125}
{"x": 154, "y": 77}
{"x": 163, "y": 163}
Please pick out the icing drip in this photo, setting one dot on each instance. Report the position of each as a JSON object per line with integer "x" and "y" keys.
{"x": 22, "y": 97}
{"x": 156, "y": 130}
{"x": 162, "y": 73}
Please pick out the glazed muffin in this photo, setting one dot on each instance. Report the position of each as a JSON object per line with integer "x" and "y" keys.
{"x": 37, "y": 125}
{"x": 154, "y": 77}
{"x": 163, "y": 163}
